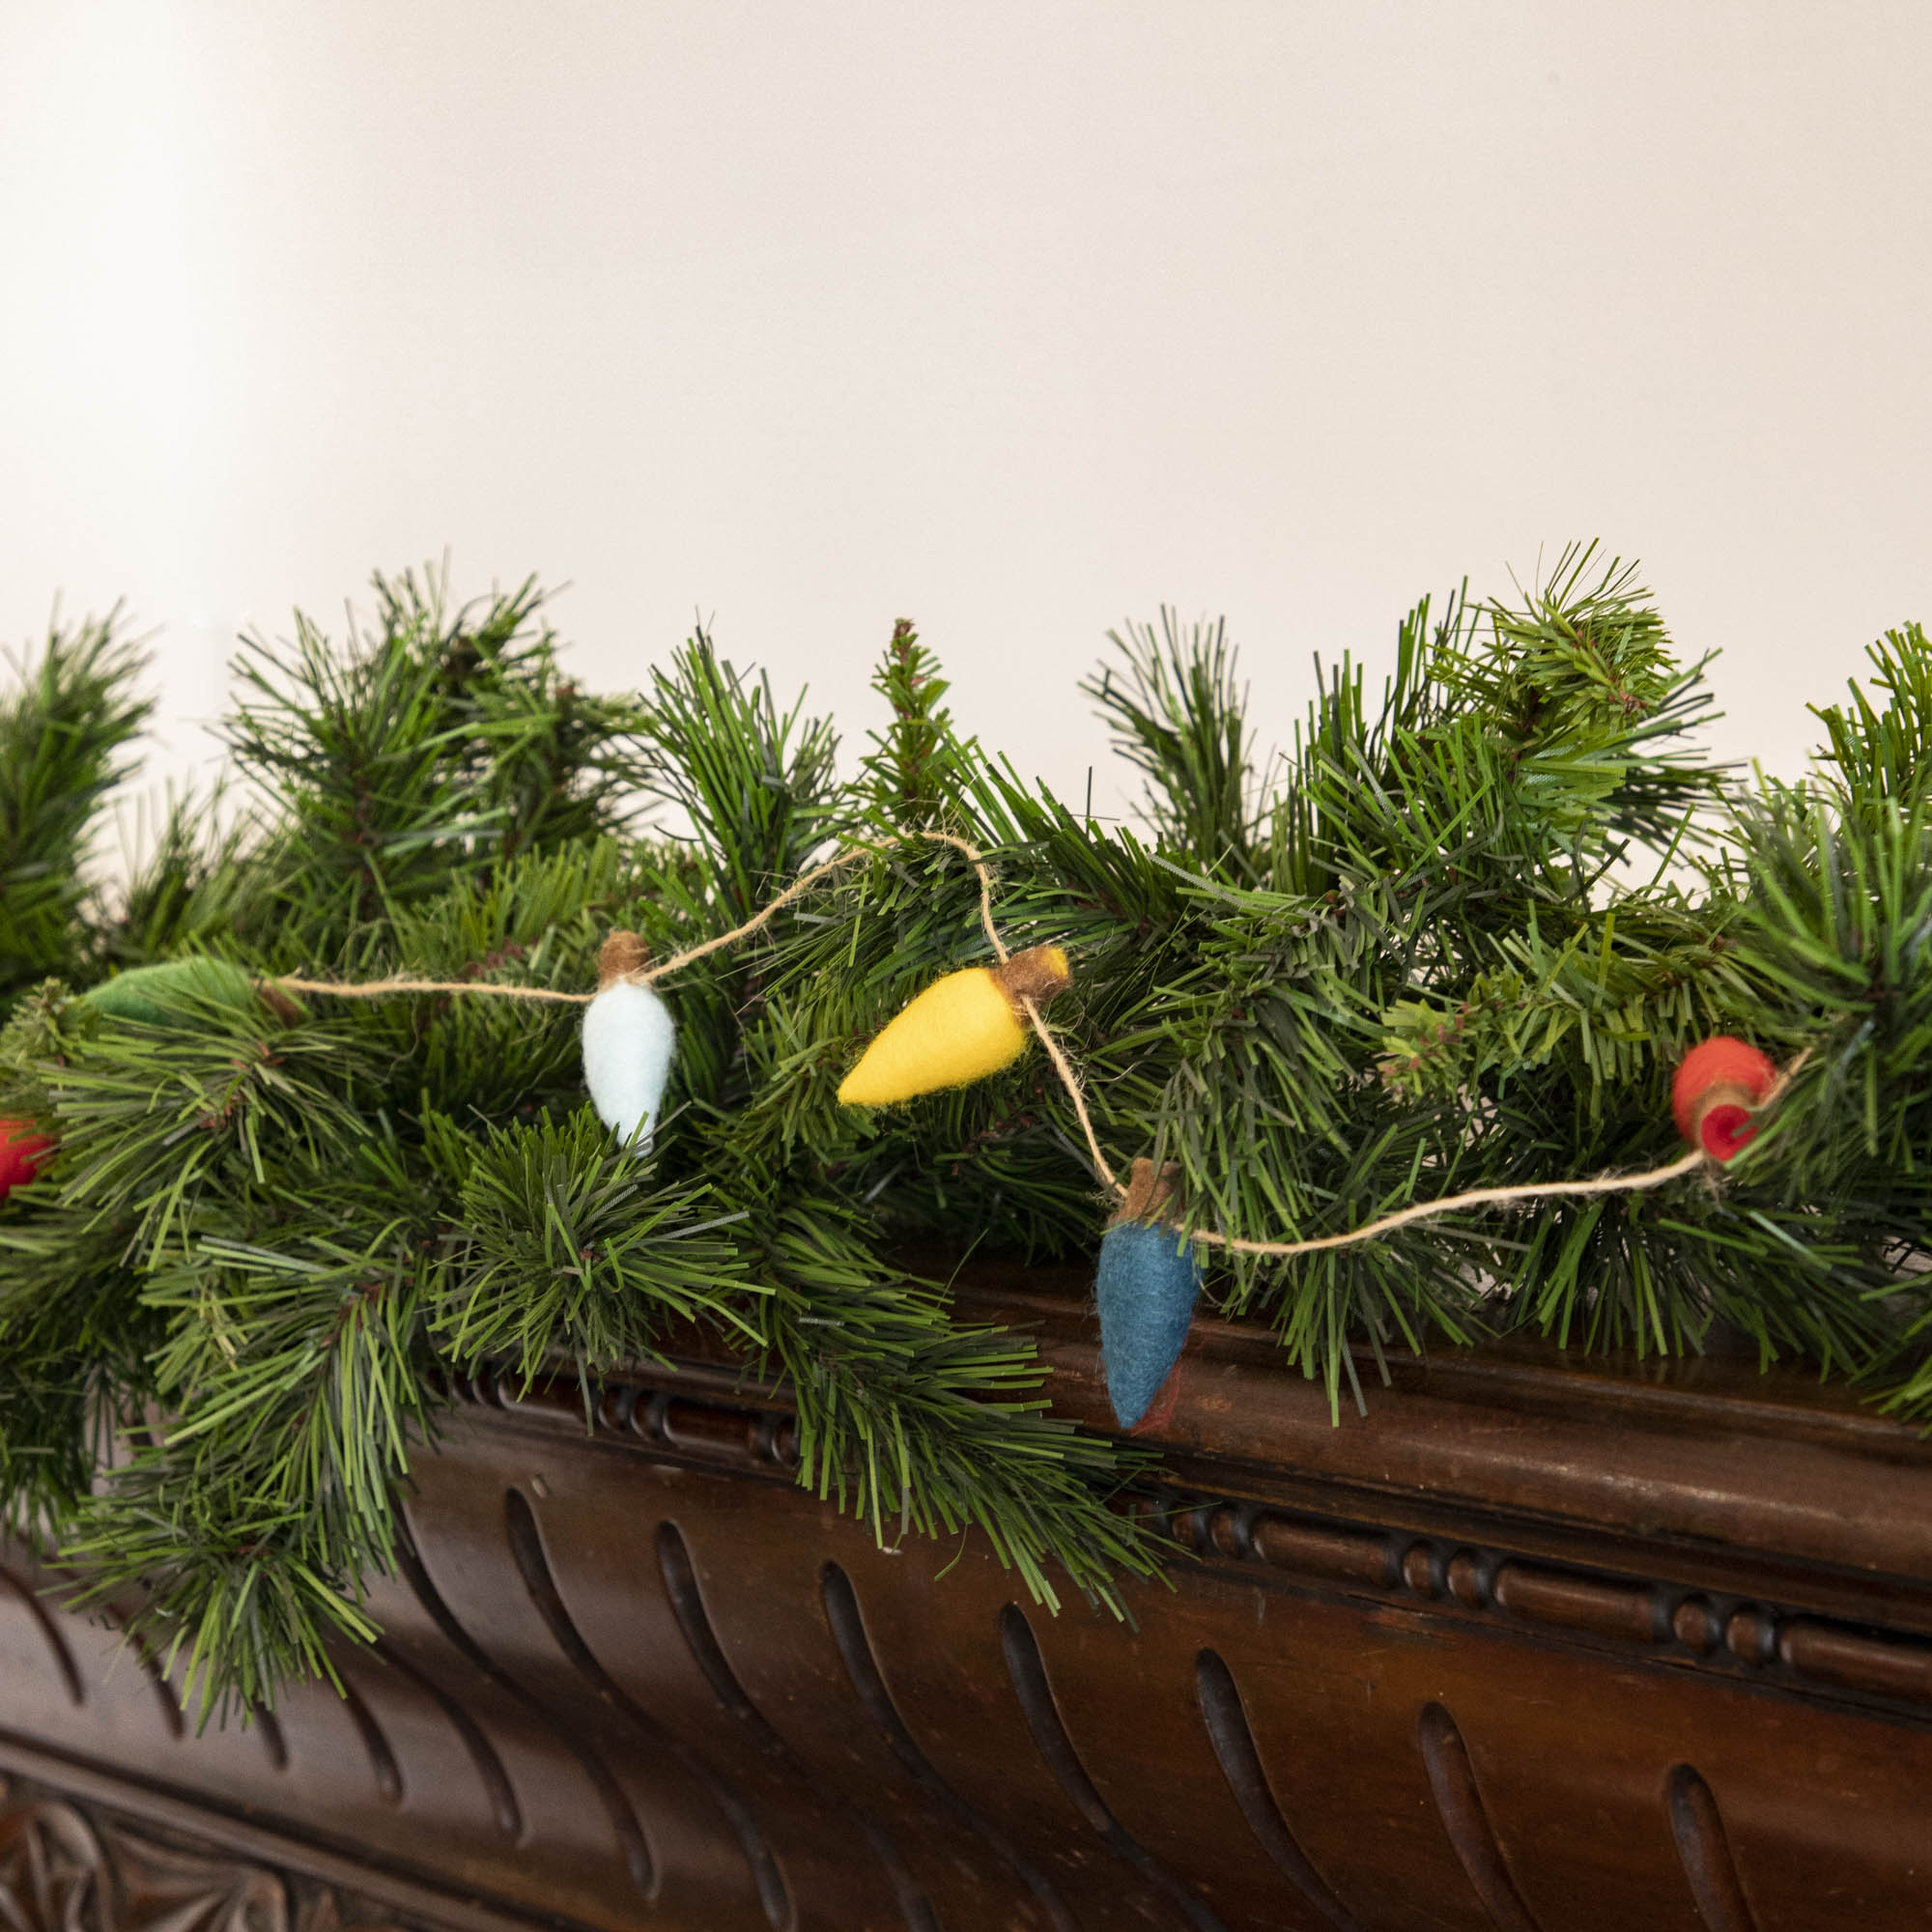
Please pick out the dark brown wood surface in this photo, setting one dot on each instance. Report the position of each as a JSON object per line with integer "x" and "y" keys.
{"x": 1534, "y": 1643}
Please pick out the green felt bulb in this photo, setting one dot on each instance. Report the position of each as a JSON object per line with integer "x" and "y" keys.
{"x": 158, "y": 994}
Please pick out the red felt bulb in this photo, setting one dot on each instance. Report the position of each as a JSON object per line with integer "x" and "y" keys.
{"x": 23, "y": 1152}
{"x": 1718, "y": 1086}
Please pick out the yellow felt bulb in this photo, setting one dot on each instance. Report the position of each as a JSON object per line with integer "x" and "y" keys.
{"x": 960, "y": 1030}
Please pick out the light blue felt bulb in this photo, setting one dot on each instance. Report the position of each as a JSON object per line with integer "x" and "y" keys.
{"x": 628, "y": 1040}
{"x": 1148, "y": 1282}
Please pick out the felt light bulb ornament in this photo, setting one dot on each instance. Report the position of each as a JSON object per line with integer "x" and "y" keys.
{"x": 628, "y": 1038}
{"x": 1718, "y": 1086}
{"x": 23, "y": 1152}
{"x": 1149, "y": 1279}
{"x": 960, "y": 1030}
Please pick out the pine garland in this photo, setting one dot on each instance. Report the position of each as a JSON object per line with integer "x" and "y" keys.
{"x": 1456, "y": 939}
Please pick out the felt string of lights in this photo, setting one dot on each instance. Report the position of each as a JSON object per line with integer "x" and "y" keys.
{"x": 1746, "y": 1083}
{"x": 1733, "y": 1063}
{"x": 628, "y": 1033}
{"x": 1148, "y": 1278}
{"x": 963, "y": 1027}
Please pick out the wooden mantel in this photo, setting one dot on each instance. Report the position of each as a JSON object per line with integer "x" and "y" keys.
{"x": 1535, "y": 1643}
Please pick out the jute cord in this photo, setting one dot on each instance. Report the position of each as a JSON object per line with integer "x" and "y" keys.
{"x": 377, "y": 989}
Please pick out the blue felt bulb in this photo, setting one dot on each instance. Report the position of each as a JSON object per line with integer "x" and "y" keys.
{"x": 1148, "y": 1282}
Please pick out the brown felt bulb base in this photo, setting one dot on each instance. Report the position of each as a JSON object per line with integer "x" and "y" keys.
{"x": 285, "y": 1009}
{"x": 1038, "y": 973}
{"x": 620, "y": 956}
{"x": 1148, "y": 1196}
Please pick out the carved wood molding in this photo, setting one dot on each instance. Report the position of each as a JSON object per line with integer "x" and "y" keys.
{"x": 1734, "y": 1636}
{"x": 1778, "y": 1646}
{"x": 632, "y": 1675}
{"x": 66, "y": 1867}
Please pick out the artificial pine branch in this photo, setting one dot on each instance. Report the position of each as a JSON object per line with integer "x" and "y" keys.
{"x": 1180, "y": 718}
{"x": 1457, "y": 937}
{"x": 64, "y": 731}
{"x": 916, "y": 766}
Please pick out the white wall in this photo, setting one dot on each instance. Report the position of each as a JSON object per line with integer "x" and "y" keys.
{"x": 1016, "y": 319}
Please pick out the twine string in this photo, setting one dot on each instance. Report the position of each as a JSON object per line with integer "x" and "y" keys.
{"x": 1071, "y": 1080}
{"x": 377, "y": 989}
{"x": 804, "y": 883}
{"x": 1449, "y": 1204}
{"x": 1063, "y": 1066}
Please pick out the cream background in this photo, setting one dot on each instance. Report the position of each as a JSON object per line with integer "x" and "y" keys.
{"x": 1018, "y": 320}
